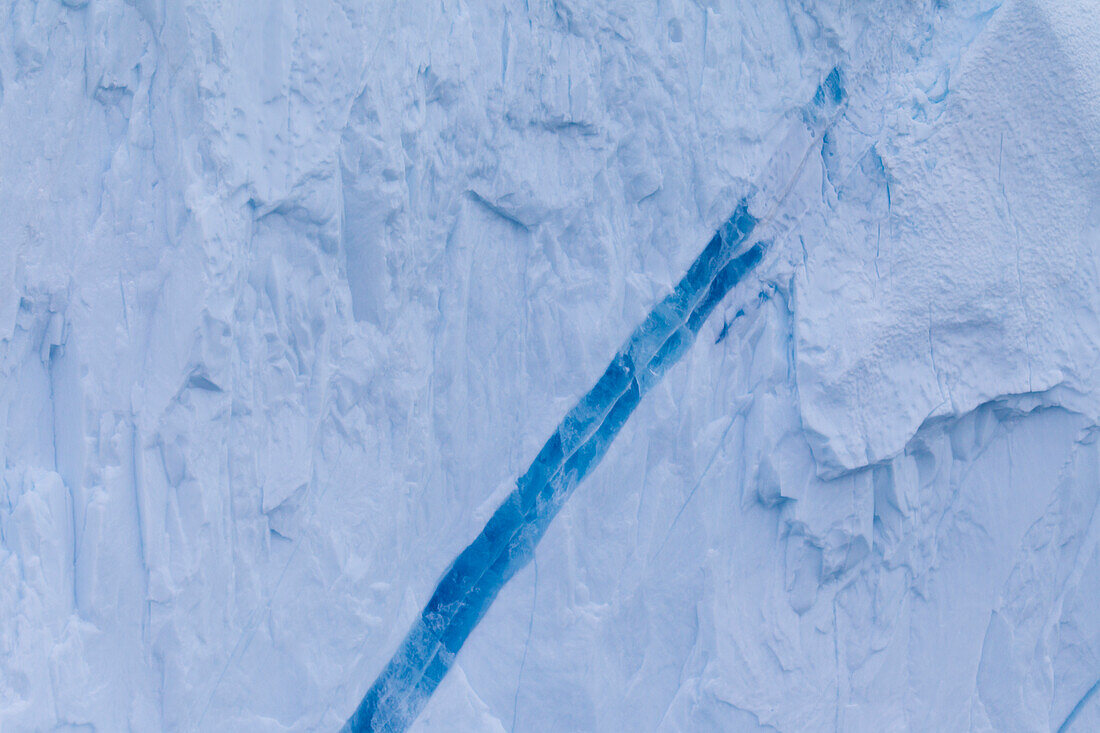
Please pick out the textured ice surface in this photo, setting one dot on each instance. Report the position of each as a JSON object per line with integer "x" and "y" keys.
{"x": 510, "y": 537}
{"x": 291, "y": 292}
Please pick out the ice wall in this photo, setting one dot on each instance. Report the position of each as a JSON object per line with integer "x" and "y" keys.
{"x": 291, "y": 292}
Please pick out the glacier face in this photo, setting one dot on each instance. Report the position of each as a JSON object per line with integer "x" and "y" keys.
{"x": 293, "y": 292}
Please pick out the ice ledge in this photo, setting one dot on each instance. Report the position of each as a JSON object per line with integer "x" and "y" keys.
{"x": 835, "y": 458}
{"x": 958, "y": 262}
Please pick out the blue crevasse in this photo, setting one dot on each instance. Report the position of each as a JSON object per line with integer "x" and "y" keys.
{"x": 507, "y": 543}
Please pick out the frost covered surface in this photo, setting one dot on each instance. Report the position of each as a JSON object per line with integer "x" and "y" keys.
{"x": 291, "y": 293}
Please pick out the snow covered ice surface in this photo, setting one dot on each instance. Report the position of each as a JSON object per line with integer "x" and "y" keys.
{"x": 292, "y": 292}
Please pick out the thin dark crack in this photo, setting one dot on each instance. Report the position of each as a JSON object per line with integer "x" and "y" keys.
{"x": 526, "y": 644}
{"x": 1064, "y": 727}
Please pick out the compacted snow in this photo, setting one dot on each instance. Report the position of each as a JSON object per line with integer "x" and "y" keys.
{"x": 307, "y": 309}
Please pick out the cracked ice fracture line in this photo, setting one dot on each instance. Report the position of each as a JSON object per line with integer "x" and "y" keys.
{"x": 1065, "y": 726}
{"x": 507, "y": 543}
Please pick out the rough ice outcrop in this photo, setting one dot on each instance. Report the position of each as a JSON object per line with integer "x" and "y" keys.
{"x": 290, "y": 293}
{"x": 967, "y": 242}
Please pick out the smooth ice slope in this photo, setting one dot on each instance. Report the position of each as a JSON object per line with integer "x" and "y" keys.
{"x": 291, "y": 292}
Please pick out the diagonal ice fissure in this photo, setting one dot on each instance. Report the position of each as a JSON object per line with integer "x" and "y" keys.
{"x": 509, "y": 538}
{"x": 507, "y": 542}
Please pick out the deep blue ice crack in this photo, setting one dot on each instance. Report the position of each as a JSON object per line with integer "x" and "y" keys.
{"x": 507, "y": 543}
